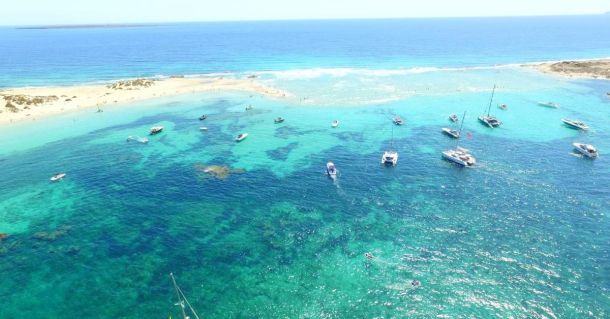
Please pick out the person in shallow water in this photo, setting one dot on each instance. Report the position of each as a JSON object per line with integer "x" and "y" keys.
{"x": 415, "y": 283}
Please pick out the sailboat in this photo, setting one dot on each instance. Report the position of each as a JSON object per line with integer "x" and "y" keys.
{"x": 183, "y": 302}
{"x": 390, "y": 157}
{"x": 459, "y": 155}
{"x": 489, "y": 120}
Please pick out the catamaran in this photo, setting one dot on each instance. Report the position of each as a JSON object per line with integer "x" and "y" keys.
{"x": 587, "y": 150}
{"x": 575, "y": 124}
{"x": 451, "y": 132}
{"x": 183, "y": 303}
{"x": 390, "y": 157}
{"x": 489, "y": 120}
{"x": 459, "y": 155}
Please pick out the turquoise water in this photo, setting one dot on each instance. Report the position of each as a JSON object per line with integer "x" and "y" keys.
{"x": 524, "y": 234}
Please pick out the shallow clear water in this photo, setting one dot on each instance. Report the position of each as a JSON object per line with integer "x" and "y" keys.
{"x": 523, "y": 234}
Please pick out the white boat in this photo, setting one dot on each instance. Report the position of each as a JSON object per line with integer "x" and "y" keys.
{"x": 278, "y": 120}
{"x": 451, "y": 132}
{"x": 549, "y": 104}
{"x": 156, "y": 130}
{"x": 489, "y": 120}
{"x": 331, "y": 170}
{"x": 335, "y": 123}
{"x": 460, "y": 156}
{"x": 389, "y": 158}
{"x": 587, "y": 150}
{"x": 503, "y": 107}
{"x": 241, "y": 137}
{"x": 249, "y": 107}
{"x": 58, "y": 177}
{"x": 575, "y": 124}
{"x": 454, "y": 118}
{"x": 203, "y": 128}
{"x": 397, "y": 120}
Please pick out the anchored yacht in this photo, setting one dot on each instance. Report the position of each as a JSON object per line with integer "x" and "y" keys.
{"x": 575, "y": 124}
{"x": 587, "y": 150}
{"x": 488, "y": 120}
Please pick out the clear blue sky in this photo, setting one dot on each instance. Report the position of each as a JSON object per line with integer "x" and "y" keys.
{"x": 44, "y": 12}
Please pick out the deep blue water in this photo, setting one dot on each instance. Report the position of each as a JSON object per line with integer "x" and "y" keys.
{"x": 43, "y": 56}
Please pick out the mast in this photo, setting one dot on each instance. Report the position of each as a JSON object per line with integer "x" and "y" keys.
{"x": 182, "y": 300}
{"x": 457, "y": 140}
{"x": 491, "y": 99}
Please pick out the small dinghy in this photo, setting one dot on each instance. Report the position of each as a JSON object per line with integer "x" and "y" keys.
{"x": 156, "y": 130}
{"x": 397, "y": 120}
{"x": 453, "y": 118}
{"x": 331, "y": 170}
{"x": 203, "y": 117}
{"x": 587, "y": 150}
{"x": 58, "y": 177}
{"x": 203, "y": 128}
{"x": 335, "y": 123}
{"x": 575, "y": 124}
{"x": 278, "y": 120}
{"x": 503, "y": 107}
{"x": 451, "y": 132}
{"x": 249, "y": 107}
{"x": 241, "y": 137}
{"x": 549, "y": 104}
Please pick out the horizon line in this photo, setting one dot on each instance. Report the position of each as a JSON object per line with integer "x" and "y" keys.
{"x": 161, "y": 23}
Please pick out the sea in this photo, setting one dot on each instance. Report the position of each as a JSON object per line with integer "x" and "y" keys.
{"x": 522, "y": 234}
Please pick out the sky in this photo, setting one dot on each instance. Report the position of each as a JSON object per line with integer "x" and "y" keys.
{"x": 61, "y": 12}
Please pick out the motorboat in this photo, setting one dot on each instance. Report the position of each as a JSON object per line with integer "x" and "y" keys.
{"x": 397, "y": 120}
{"x": 575, "y": 124}
{"x": 278, "y": 120}
{"x": 249, "y": 107}
{"x": 454, "y": 118}
{"x": 460, "y": 156}
{"x": 203, "y": 117}
{"x": 503, "y": 107}
{"x": 331, "y": 170}
{"x": 241, "y": 137}
{"x": 203, "y": 128}
{"x": 549, "y": 104}
{"x": 489, "y": 120}
{"x": 451, "y": 132}
{"x": 389, "y": 158}
{"x": 587, "y": 150}
{"x": 58, "y": 177}
{"x": 335, "y": 123}
{"x": 156, "y": 130}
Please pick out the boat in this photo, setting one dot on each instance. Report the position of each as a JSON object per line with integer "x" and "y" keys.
{"x": 278, "y": 120}
{"x": 249, "y": 107}
{"x": 203, "y": 117}
{"x": 549, "y": 104}
{"x": 587, "y": 150}
{"x": 58, "y": 177}
{"x": 241, "y": 137}
{"x": 183, "y": 303}
{"x": 503, "y": 107}
{"x": 489, "y": 120}
{"x": 575, "y": 124}
{"x": 454, "y": 118}
{"x": 460, "y": 156}
{"x": 335, "y": 123}
{"x": 331, "y": 170}
{"x": 451, "y": 132}
{"x": 203, "y": 128}
{"x": 390, "y": 157}
{"x": 156, "y": 130}
{"x": 397, "y": 120}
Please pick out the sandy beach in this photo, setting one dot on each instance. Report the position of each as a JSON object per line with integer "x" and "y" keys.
{"x": 586, "y": 69}
{"x": 19, "y": 105}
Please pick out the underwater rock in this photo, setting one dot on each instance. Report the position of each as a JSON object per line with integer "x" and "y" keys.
{"x": 217, "y": 171}
{"x": 51, "y": 236}
{"x": 3, "y": 236}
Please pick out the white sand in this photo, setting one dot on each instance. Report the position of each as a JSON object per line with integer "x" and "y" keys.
{"x": 75, "y": 98}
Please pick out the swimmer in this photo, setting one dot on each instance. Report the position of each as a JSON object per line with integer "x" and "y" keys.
{"x": 415, "y": 283}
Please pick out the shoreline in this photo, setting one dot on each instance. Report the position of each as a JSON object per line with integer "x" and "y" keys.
{"x": 28, "y": 104}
